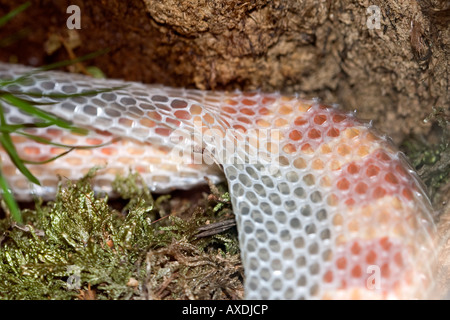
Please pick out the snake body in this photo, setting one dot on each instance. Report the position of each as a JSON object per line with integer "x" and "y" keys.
{"x": 325, "y": 206}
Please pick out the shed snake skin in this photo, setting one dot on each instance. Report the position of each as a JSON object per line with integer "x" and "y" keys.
{"x": 326, "y": 208}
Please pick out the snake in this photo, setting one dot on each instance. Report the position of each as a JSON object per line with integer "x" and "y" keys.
{"x": 326, "y": 207}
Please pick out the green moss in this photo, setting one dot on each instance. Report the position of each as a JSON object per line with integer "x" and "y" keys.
{"x": 432, "y": 160}
{"x": 78, "y": 245}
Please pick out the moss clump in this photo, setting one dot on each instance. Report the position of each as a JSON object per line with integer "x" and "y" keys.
{"x": 78, "y": 246}
{"x": 432, "y": 160}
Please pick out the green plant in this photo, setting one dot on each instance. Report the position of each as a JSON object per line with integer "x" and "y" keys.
{"x": 46, "y": 119}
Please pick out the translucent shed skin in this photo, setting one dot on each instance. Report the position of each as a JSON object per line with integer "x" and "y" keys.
{"x": 326, "y": 208}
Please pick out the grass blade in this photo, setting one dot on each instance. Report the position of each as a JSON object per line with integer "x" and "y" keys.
{"x": 27, "y": 107}
{"x": 8, "y": 197}
{"x": 8, "y": 145}
{"x": 12, "y": 14}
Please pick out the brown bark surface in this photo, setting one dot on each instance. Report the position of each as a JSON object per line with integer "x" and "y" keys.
{"x": 393, "y": 75}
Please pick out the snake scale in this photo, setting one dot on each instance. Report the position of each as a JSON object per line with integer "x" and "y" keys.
{"x": 326, "y": 207}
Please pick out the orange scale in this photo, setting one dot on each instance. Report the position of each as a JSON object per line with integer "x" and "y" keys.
{"x": 381, "y": 155}
{"x": 398, "y": 259}
{"x": 333, "y": 132}
{"x": 173, "y": 121}
{"x": 21, "y": 184}
{"x": 135, "y": 151}
{"x": 147, "y": 123}
{"x": 300, "y": 163}
{"x": 248, "y": 102}
{"x": 350, "y": 202}
{"x": 152, "y": 160}
{"x": 341, "y": 263}
{"x": 356, "y": 248}
{"x": 108, "y": 151}
{"x": 332, "y": 200}
{"x": 280, "y": 122}
{"x": 320, "y": 119}
{"x": 239, "y": 128}
{"x": 208, "y": 118}
{"x": 56, "y": 150}
{"x": 62, "y": 172}
{"x": 154, "y": 115}
{"x": 229, "y": 110}
{"x": 356, "y": 272}
{"x": 285, "y": 110}
{"x": 54, "y": 132}
{"x": 343, "y": 184}
{"x": 325, "y": 182}
{"x": 300, "y": 121}
{"x": 361, "y": 188}
{"x": 83, "y": 152}
{"x": 98, "y": 161}
{"x": 196, "y": 109}
{"x": 289, "y": 148}
{"x": 351, "y": 133}
{"x": 307, "y": 149}
{"x": 268, "y": 100}
{"x": 325, "y": 107}
{"x": 303, "y": 107}
{"x": 379, "y": 192}
{"x": 372, "y": 171}
{"x": 74, "y": 161}
{"x": 93, "y": 141}
{"x": 17, "y": 139}
{"x": 247, "y": 111}
{"x": 163, "y": 131}
{"x": 353, "y": 225}
{"x": 363, "y": 151}
{"x": 314, "y": 134}
{"x": 295, "y": 135}
{"x": 142, "y": 169}
{"x": 407, "y": 193}
{"x": 353, "y": 168}
{"x": 325, "y": 149}
{"x": 401, "y": 171}
{"x": 371, "y": 257}
{"x": 125, "y": 160}
{"x": 385, "y": 243}
{"x": 182, "y": 114}
{"x": 338, "y": 118}
{"x": 338, "y": 220}
{"x": 318, "y": 164}
{"x": 244, "y": 120}
{"x": 335, "y": 165}
{"x": 385, "y": 270}
{"x": 126, "y": 122}
{"x": 391, "y": 178}
{"x": 231, "y": 102}
{"x": 272, "y": 147}
{"x": 103, "y": 133}
{"x": 9, "y": 170}
{"x": 262, "y": 123}
{"x": 32, "y": 151}
{"x": 328, "y": 276}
